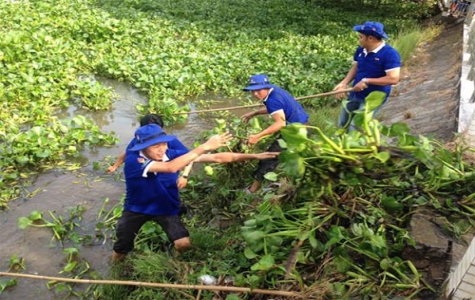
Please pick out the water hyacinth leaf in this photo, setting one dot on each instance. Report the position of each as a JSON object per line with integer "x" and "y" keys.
{"x": 43, "y": 153}
{"x": 391, "y": 205}
{"x": 342, "y": 264}
{"x": 209, "y": 170}
{"x": 254, "y": 236}
{"x": 5, "y": 283}
{"x": 69, "y": 267}
{"x": 335, "y": 236}
{"x": 249, "y": 254}
{"x": 399, "y": 129}
{"x": 35, "y": 215}
{"x": 383, "y": 156}
{"x": 357, "y": 229}
{"x": 374, "y": 100}
{"x": 292, "y": 163}
{"x": 385, "y": 264}
{"x": 266, "y": 262}
{"x": 271, "y": 176}
{"x": 22, "y": 159}
{"x": 295, "y": 135}
{"x": 24, "y": 222}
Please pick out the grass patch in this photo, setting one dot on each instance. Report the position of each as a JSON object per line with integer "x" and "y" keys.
{"x": 408, "y": 39}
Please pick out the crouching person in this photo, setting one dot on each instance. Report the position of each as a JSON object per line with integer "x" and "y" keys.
{"x": 148, "y": 197}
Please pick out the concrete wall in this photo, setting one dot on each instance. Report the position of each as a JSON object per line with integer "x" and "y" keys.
{"x": 466, "y": 124}
{"x": 461, "y": 283}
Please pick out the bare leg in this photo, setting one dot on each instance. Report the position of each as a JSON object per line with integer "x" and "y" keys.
{"x": 255, "y": 186}
{"x": 183, "y": 244}
{"x": 116, "y": 257}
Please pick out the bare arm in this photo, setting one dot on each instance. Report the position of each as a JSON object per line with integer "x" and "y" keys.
{"x": 183, "y": 179}
{"x": 279, "y": 122}
{"x": 348, "y": 78}
{"x": 118, "y": 162}
{"x": 178, "y": 163}
{"x": 229, "y": 157}
{"x": 392, "y": 77}
{"x": 249, "y": 115}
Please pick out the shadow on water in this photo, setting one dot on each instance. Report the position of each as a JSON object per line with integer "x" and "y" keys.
{"x": 61, "y": 191}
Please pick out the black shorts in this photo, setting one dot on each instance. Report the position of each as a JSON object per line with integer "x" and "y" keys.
{"x": 130, "y": 223}
{"x": 268, "y": 165}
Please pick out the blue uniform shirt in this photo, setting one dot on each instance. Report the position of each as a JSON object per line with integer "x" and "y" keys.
{"x": 374, "y": 65}
{"x": 172, "y": 145}
{"x": 148, "y": 192}
{"x": 280, "y": 99}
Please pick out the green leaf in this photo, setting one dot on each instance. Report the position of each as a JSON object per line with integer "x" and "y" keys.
{"x": 292, "y": 163}
{"x": 266, "y": 262}
{"x": 271, "y": 176}
{"x": 254, "y": 236}
{"x": 35, "y": 215}
{"x": 374, "y": 100}
{"x": 24, "y": 222}
{"x": 391, "y": 205}
{"x": 249, "y": 254}
{"x": 5, "y": 283}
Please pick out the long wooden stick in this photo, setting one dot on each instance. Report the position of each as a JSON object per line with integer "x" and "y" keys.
{"x": 153, "y": 284}
{"x": 260, "y": 104}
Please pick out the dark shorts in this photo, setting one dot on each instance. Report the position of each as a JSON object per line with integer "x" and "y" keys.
{"x": 130, "y": 223}
{"x": 268, "y": 165}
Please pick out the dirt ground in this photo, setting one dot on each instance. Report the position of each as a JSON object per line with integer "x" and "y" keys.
{"x": 427, "y": 96}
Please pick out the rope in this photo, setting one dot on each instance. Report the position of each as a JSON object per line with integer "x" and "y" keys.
{"x": 260, "y": 104}
{"x": 152, "y": 284}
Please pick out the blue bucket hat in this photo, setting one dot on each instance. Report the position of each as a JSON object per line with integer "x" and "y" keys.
{"x": 258, "y": 82}
{"x": 149, "y": 135}
{"x": 372, "y": 28}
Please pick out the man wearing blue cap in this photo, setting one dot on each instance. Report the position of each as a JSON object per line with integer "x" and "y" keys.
{"x": 151, "y": 197}
{"x": 283, "y": 108}
{"x": 376, "y": 67}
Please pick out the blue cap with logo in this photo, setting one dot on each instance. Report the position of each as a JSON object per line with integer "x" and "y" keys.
{"x": 149, "y": 135}
{"x": 372, "y": 28}
{"x": 258, "y": 82}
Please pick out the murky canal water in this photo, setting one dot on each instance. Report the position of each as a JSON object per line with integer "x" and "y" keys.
{"x": 60, "y": 191}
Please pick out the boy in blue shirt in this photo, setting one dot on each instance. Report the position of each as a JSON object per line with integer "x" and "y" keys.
{"x": 376, "y": 67}
{"x": 283, "y": 108}
{"x": 173, "y": 144}
{"x": 151, "y": 197}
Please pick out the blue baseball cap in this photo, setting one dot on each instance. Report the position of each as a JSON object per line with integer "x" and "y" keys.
{"x": 150, "y": 135}
{"x": 372, "y": 28}
{"x": 258, "y": 82}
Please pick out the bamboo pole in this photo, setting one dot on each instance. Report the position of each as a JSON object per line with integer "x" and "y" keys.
{"x": 260, "y": 104}
{"x": 158, "y": 285}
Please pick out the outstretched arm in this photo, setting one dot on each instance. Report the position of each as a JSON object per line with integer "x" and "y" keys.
{"x": 117, "y": 163}
{"x": 178, "y": 163}
{"x": 229, "y": 157}
{"x": 279, "y": 122}
{"x": 246, "y": 117}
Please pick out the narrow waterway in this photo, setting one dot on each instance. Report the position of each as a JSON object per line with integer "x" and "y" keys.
{"x": 60, "y": 192}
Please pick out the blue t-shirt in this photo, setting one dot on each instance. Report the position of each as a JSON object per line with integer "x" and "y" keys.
{"x": 374, "y": 65}
{"x": 172, "y": 145}
{"x": 149, "y": 192}
{"x": 280, "y": 99}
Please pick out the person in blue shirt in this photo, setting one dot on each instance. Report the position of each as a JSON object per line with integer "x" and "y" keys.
{"x": 376, "y": 67}
{"x": 283, "y": 108}
{"x": 176, "y": 144}
{"x": 150, "y": 197}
